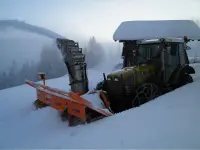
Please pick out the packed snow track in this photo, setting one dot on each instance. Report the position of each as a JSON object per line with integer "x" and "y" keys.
{"x": 170, "y": 121}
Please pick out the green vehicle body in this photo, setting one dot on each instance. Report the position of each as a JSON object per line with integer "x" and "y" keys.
{"x": 148, "y": 67}
{"x": 136, "y": 74}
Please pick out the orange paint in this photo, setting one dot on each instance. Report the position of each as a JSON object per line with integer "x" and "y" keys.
{"x": 61, "y": 100}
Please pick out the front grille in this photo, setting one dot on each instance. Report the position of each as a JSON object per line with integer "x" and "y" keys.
{"x": 114, "y": 87}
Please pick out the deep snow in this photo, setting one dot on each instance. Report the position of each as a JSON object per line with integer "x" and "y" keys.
{"x": 170, "y": 121}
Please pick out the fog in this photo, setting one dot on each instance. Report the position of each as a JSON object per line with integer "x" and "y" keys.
{"x": 26, "y": 50}
{"x": 42, "y": 21}
{"x": 20, "y": 46}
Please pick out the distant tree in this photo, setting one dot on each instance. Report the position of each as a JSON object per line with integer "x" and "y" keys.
{"x": 28, "y": 71}
{"x": 11, "y": 74}
{"x": 2, "y": 80}
{"x": 94, "y": 52}
{"x": 51, "y": 62}
{"x": 33, "y": 71}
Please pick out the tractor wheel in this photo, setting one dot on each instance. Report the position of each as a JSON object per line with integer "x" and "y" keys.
{"x": 185, "y": 79}
{"x": 188, "y": 79}
{"x": 145, "y": 93}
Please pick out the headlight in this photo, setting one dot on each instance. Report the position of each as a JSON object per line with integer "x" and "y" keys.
{"x": 116, "y": 79}
{"x": 108, "y": 79}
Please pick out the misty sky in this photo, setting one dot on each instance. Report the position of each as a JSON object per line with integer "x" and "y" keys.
{"x": 76, "y": 18}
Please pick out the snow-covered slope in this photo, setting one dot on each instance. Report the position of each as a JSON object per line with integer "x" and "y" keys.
{"x": 170, "y": 121}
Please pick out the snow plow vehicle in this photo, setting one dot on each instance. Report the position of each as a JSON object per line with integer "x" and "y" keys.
{"x": 152, "y": 65}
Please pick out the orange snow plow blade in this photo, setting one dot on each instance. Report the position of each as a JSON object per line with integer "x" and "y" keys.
{"x": 60, "y": 100}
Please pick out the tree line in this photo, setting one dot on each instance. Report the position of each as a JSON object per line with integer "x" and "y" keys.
{"x": 51, "y": 62}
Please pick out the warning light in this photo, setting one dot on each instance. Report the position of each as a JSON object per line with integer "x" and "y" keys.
{"x": 186, "y": 39}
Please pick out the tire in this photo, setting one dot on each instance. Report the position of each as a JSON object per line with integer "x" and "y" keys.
{"x": 145, "y": 93}
{"x": 183, "y": 80}
{"x": 188, "y": 79}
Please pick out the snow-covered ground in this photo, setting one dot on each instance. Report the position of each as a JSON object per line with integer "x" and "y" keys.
{"x": 170, "y": 121}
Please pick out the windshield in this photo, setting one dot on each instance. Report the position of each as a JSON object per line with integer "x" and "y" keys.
{"x": 148, "y": 51}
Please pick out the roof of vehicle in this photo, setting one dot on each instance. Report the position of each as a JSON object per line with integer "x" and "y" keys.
{"x": 153, "y": 29}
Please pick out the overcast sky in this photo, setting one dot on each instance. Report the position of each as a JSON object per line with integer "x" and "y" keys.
{"x": 94, "y": 17}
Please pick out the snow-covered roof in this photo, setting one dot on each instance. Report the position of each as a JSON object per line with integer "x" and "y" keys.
{"x": 151, "y": 29}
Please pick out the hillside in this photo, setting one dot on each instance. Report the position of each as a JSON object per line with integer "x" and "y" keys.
{"x": 21, "y": 42}
{"x": 4, "y": 24}
{"x": 170, "y": 121}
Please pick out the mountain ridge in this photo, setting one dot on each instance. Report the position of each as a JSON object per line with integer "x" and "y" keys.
{"x": 30, "y": 28}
